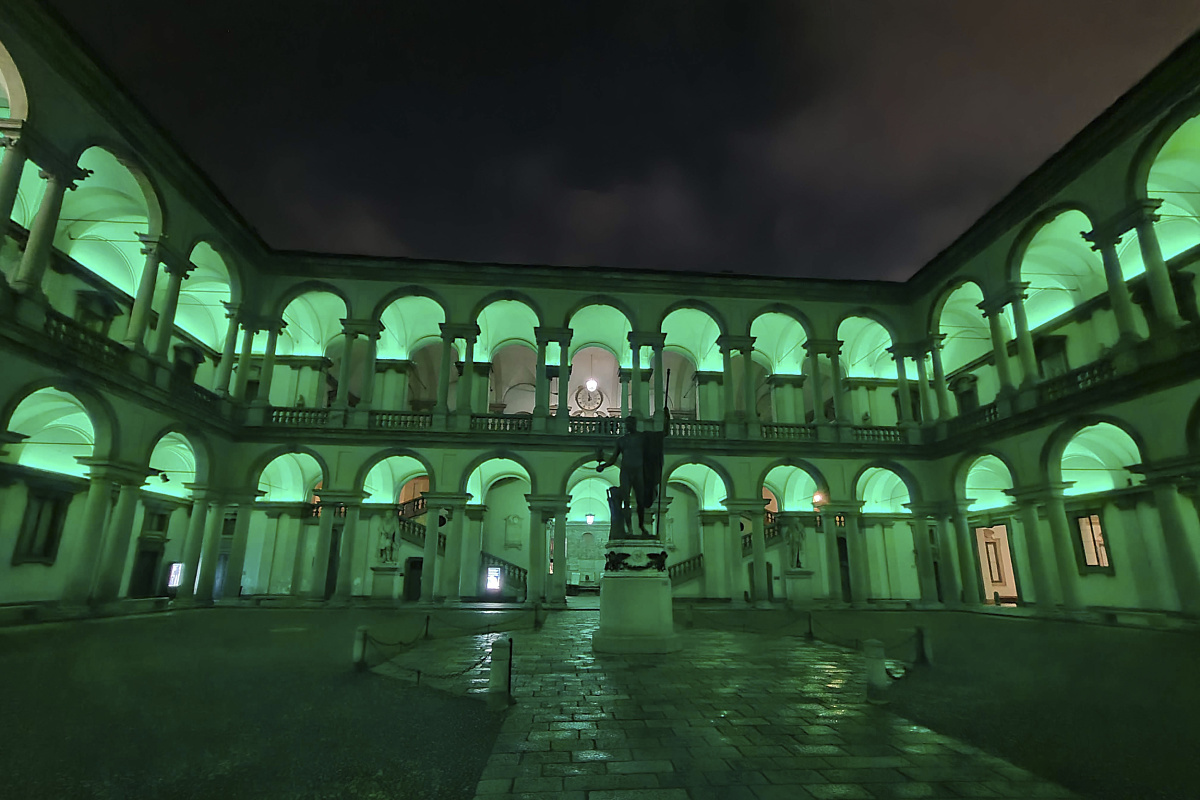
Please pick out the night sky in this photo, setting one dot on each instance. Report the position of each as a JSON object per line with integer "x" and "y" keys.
{"x": 839, "y": 138}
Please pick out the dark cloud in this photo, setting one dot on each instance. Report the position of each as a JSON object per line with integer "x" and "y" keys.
{"x": 850, "y": 139}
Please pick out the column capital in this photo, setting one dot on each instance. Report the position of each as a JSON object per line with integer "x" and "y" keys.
{"x": 549, "y": 504}
{"x": 475, "y": 511}
{"x": 121, "y": 472}
{"x": 711, "y": 516}
{"x": 994, "y": 304}
{"x": 729, "y": 342}
{"x": 366, "y": 327}
{"x": 458, "y": 330}
{"x": 544, "y": 335}
{"x": 446, "y": 499}
{"x": 1032, "y": 495}
{"x": 840, "y": 507}
{"x": 780, "y": 379}
{"x": 655, "y": 339}
{"x": 339, "y": 497}
{"x": 745, "y": 506}
{"x": 829, "y": 347}
{"x": 276, "y": 510}
{"x": 1174, "y": 470}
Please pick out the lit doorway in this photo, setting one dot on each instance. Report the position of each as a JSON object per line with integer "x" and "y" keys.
{"x": 996, "y": 566}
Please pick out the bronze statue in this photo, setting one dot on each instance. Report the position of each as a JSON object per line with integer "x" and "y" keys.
{"x": 641, "y": 455}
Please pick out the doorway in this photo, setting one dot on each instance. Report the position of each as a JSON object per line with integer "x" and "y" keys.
{"x": 412, "y": 579}
{"x": 770, "y": 581}
{"x": 331, "y": 575}
{"x": 844, "y": 568}
{"x": 996, "y": 566}
{"x": 143, "y": 578}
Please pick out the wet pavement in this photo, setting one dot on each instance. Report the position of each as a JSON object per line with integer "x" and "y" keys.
{"x": 735, "y": 715}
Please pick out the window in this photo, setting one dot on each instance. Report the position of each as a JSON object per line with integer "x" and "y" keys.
{"x": 1093, "y": 550}
{"x": 41, "y": 529}
{"x": 995, "y": 570}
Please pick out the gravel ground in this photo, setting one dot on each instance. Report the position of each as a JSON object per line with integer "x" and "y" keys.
{"x": 225, "y": 703}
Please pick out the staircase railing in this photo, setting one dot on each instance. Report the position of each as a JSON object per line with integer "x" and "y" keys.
{"x": 772, "y": 534}
{"x": 513, "y": 574}
{"x": 411, "y": 508}
{"x": 686, "y": 570}
{"x": 414, "y": 533}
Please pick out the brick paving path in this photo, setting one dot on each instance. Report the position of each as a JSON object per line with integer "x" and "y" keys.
{"x": 734, "y": 715}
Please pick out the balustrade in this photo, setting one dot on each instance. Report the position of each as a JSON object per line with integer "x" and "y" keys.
{"x": 694, "y": 429}
{"x": 1075, "y": 381}
{"x": 300, "y": 417}
{"x": 401, "y": 420}
{"x": 502, "y": 423}
{"x": 95, "y": 348}
{"x": 984, "y": 415}
{"x": 789, "y": 433}
{"x": 878, "y": 434}
{"x": 596, "y": 426}
{"x": 686, "y": 569}
{"x": 513, "y": 574}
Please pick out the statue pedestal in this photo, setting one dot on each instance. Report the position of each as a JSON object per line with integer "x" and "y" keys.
{"x": 635, "y": 601}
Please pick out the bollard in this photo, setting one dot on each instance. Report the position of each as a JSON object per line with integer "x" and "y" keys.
{"x": 360, "y": 648}
{"x": 924, "y": 647}
{"x": 877, "y": 677}
{"x": 498, "y": 679}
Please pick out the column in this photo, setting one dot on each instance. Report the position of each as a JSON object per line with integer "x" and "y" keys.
{"x": 320, "y": 571}
{"x": 833, "y": 561}
{"x": 452, "y": 553}
{"x": 750, "y": 395}
{"x": 1029, "y": 365}
{"x": 371, "y": 353}
{"x": 401, "y": 384}
{"x": 712, "y": 525}
{"x": 923, "y": 388}
{"x": 206, "y": 578}
{"x": 90, "y": 537}
{"x": 139, "y": 317}
{"x": 860, "y": 565}
{"x": 442, "y": 406}
{"x": 969, "y": 568}
{"x": 999, "y": 345}
{"x": 947, "y": 563}
{"x": 300, "y": 561}
{"x": 116, "y": 542}
{"x": 41, "y": 235}
{"x": 636, "y": 390}
{"x": 926, "y": 576}
{"x": 939, "y": 378}
{"x": 1118, "y": 291}
{"x": 1158, "y": 279}
{"x": 176, "y": 274}
{"x": 243, "y": 364}
{"x": 1043, "y": 586}
{"x": 472, "y": 551}
{"x": 192, "y": 544}
{"x": 236, "y": 564}
{"x": 902, "y": 390}
{"x": 563, "y": 411}
{"x": 11, "y": 167}
{"x": 839, "y": 387}
{"x": 464, "y": 381}
{"x": 342, "y": 399}
{"x": 541, "y": 384}
{"x": 727, "y": 383}
{"x": 735, "y": 559}
{"x": 536, "y": 580}
{"x": 345, "y": 580}
{"x": 814, "y": 369}
{"x": 1064, "y": 547}
{"x": 266, "y": 372}
{"x": 758, "y": 553}
{"x": 657, "y": 377}
{"x": 229, "y": 345}
{"x": 558, "y": 581}
{"x": 1181, "y": 557}
{"x": 623, "y": 382}
{"x": 433, "y": 513}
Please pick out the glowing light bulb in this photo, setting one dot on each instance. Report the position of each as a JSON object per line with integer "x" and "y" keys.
{"x": 817, "y": 497}
{"x": 591, "y": 384}
{"x": 590, "y": 518}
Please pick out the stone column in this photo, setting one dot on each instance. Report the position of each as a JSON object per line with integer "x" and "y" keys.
{"x": 401, "y": 386}
{"x": 999, "y": 345}
{"x": 814, "y": 369}
{"x": 939, "y": 378}
{"x": 452, "y": 556}
{"x": 193, "y": 543}
{"x": 472, "y": 550}
{"x": 623, "y": 382}
{"x": 116, "y": 541}
{"x": 833, "y": 562}
{"x": 236, "y": 565}
{"x": 41, "y": 235}
{"x": 176, "y": 273}
{"x": 839, "y": 382}
{"x": 750, "y": 395}
{"x": 301, "y": 561}
{"x": 320, "y": 570}
{"x": 637, "y": 391}
{"x": 1029, "y": 365}
{"x": 758, "y": 545}
{"x": 541, "y": 384}
{"x": 1064, "y": 547}
{"x": 370, "y": 333}
{"x": 968, "y": 557}
{"x": 727, "y": 384}
{"x": 657, "y": 376}
{"x": 712, "y": 524}
{"x": 243, "y": 370}
{"x": 463, "y": 405}
{"x": 266, "y": 372}
{"x": 344, "y": 590}
{"x": 926, "y": 579}
{"x": 1106, "y": 243}
{"x": 558, "y": 581}
{"x": 860, "y": 565}
{"x": 1181, "y": 556}
{"x": 735, "y": 559}
{"x": 923, "y": 389}
{"x": 947, "y": 562}
{"x": 11, "y": 167}
{"x": 342, "y": 399}
{"x": 563, "y": 411}
{"x": 902, "y": 392}
{"x": 91, "y": 534}
{"x": 1043, "y": 585}
{"x": 228, "y": 348}
{"x": 139, "y": 317}
{"x": 536, "y": 580}
{"x": 1158, "y": 278}
{"x": 206, "y": 577}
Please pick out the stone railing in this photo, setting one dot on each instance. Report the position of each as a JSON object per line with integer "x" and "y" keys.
{"x": 789, "y": 432}
{"x": 401, "y": 420}
{"x": 513, "y": 574}
{"x": 92, "y": 346}
{"x": 414, "y": 533}
{"x": 596, "y": 426}
{"x": 502, "y": 423}
{"x": 878, "y": 434}
{"x": 1075, "y": 381}
{"x": 300, "y": 417}
{"x": 411, "y": 508}
{"x": 984, "y": 415}
{"x": 696, "y": 429}
{"x": 686, "y": 570}
{"x": 772, "y": 534}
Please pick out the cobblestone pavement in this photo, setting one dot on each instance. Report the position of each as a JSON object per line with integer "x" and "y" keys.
{"x": 734, "y": 715}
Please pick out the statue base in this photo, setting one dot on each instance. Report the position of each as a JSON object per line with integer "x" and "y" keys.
{"x": 635, "y": 600}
